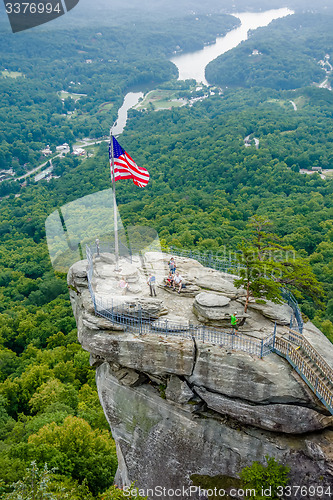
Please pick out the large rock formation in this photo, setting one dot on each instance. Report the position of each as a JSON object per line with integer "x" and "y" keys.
{"x": 180, "y": 408}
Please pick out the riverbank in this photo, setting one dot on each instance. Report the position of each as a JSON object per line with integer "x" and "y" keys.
{"x": 193, "y": 64}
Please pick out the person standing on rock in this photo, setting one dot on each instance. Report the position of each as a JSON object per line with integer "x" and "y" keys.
{"x": 234, "y": 323}
{"x": 152, "y": 282}
{"x": 172, "y": 265}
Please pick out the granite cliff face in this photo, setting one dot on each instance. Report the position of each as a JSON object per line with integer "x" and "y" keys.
{"x": 180, "y": 407}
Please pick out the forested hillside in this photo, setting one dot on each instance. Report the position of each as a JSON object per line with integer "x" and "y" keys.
{"x": 289, "y": 51}
{"x": 97, "y": 65}
{"x": 49, "y": 408}
{"x": 205, "y": 185}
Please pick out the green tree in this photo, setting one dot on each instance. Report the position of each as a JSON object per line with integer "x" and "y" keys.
{"x": 115, "y": 493}
{"x": 74, "y": 448}
{"x": 263, "y": 477}
{"x": 254, "y": 277}
{"x": 53, "y": 391}
{"x": 266, "y": 265}
{"x": 34, "y": 486}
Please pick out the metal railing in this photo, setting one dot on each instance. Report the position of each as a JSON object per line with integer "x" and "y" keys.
{"x": 209, "y": 259}
{"x": 311, "y": 353}
{"x": 318, "y": 383}
{"x": 135, "y": 320}
{"x": 296, "y": 321}
{"x": 228, "y": 265}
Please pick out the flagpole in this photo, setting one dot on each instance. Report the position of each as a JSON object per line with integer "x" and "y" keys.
{"x": 115, "y": 217}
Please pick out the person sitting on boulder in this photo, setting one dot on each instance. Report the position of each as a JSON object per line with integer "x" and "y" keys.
{"x": 177, "y": 282}
{"x": 234, "y": 323}
{"x": 123, "y": 285}
{"x": 169, "y": 280}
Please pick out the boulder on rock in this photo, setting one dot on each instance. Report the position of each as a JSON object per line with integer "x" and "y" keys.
{"x": 178, "y": 391}
{"x": 216, "y": 281}
{"x": 223, "y": 409}
{"x": 216, "y": 309}
{"x": 281, "y": 313}
{"x": 205, "y": 299}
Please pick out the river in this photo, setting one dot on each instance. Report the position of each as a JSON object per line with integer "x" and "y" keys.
{"x": 193, "y": 64}
{"x": 131, "y": 99}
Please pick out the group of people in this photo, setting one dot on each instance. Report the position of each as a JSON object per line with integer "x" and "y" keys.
{"x": 174, "y": 279}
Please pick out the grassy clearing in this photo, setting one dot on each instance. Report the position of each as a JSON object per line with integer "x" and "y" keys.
{"x": 301, "y": 101}
{"x": 160, "y": 99}
{"x": 280, "y": 102}
{"x": 64, "y": 95}
{"x": 286, "y": 132}
{"x": 328, "y": 173}
{"x": 106, "y": 107}
{"x": 11, "y": 74}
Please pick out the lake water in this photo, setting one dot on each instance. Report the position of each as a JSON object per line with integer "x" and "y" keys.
{"x": 193, "y": 64}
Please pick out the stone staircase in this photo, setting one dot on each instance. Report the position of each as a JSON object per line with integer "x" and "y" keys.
{"x": 308, "y": 363}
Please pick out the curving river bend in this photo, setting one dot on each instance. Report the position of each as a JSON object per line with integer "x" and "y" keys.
{"x": 193, "y": 64}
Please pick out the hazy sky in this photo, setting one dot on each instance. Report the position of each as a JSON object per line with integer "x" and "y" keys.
{"x": 181, "y": 5}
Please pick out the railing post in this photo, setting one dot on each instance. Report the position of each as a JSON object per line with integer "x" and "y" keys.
{"x": 331, "y": 401}
{"x": 316, "y": 384}
{"x": 262, "y": 348}
{"x": 139, "y": 320}
{"x": 274, "y": 337}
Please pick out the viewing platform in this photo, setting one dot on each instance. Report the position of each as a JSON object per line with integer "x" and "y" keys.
{"x": 169, "y": 370}
{"x": 202, "y": 310}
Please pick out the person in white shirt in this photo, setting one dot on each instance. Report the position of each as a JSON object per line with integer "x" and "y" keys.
{"x": 177, "y": 282}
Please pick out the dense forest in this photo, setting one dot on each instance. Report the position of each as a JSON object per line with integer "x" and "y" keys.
{"x": 205, "y": 185}
{"x": 98, "y": 65}
{"x": 287, "y": 57}
{"x": 204, "y": 188}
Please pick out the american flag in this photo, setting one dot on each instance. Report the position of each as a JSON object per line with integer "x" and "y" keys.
{"x": 125, "y": 167}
